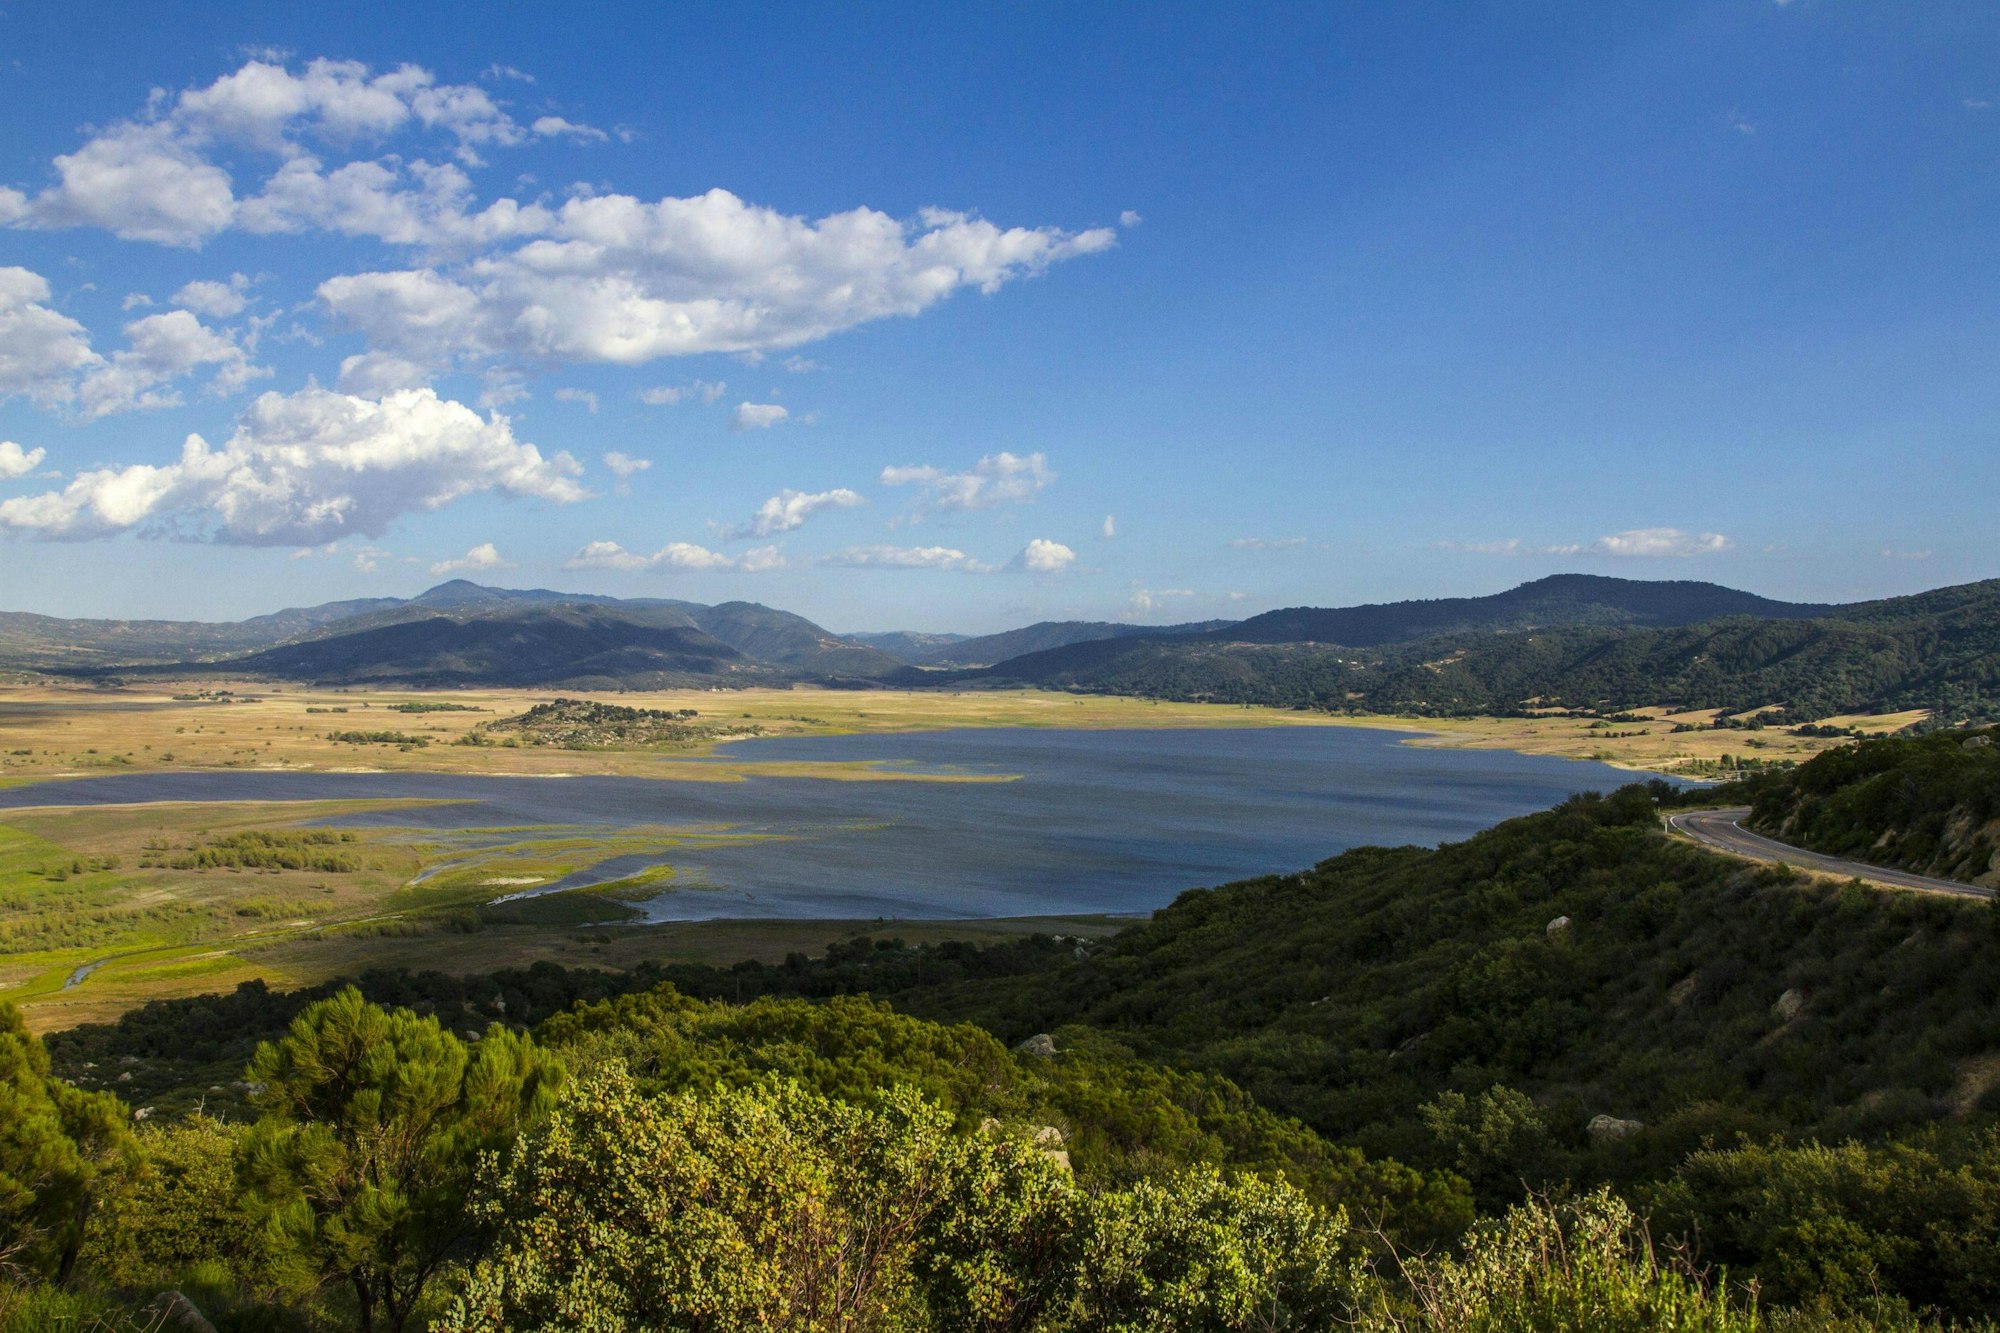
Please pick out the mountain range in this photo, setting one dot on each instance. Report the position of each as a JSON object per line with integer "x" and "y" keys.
{"x": 1577, "y": 640}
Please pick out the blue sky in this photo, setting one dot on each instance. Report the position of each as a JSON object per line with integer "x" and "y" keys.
{"x": 939, "y": 317}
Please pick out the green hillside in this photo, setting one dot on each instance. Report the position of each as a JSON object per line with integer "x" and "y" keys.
{"x": 1929, "y": 804}
{"x": 1939, "y": 650}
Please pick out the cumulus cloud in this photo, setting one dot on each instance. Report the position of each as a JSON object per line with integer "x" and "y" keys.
{"x": 997, "y": 479}
{"x": 674, "y": 555}
{"x": 304, "y": 469}
{"x": 585, "y": 397}
{"x": 906, "y": 557}
{"x": 373, "y": 376}
{"x": 1109, "y": 530}
{"x": 164, "y": 348}
{"x": 1042, "y": 556}
{"x": 18, "y": 462}
{"x": 757, "y": 416}
{"x": 618, "y": 279}
{"x": 218, "y": 300}
{"x": 156, "y": 177}
{"x": 482, "y": 556}
{"x": 625, "y": 466}
{"x": 404, "y": 203}
{"x": 1129, "y": 218}
{"x": 1267, "y": 543}
{"x": 788, "y": 510}
{"x": 41, "y": 350}
{"x": 669, "y": 395}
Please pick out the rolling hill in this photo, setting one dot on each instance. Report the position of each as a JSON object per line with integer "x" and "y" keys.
{"x": 462, "y": 633}
{"x": 576, "y": 645}
{"x": 1938, "y": 650}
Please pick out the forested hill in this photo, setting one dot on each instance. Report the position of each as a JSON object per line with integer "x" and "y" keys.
{"x": 1559, "y": 601}
{"x": 1937, "y": 650}
{"x": 1929, "y": 804}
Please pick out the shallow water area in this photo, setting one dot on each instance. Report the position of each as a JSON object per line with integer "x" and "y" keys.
{"x": 1094, "y": 822}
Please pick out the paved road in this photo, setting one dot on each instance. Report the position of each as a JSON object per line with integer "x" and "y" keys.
{"x": 1723, "y": 830}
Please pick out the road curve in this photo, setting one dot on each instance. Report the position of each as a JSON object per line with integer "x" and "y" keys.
{"x": 1724, "y": 831}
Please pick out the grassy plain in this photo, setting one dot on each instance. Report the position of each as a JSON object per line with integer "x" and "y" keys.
{"x": 95, "y": 917}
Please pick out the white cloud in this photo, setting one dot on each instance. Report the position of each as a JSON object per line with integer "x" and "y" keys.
{"x": 1042, "y": 556}
{"x": 625, "y": 466}
{"x": 995, "y": 480}
{"x": 621, "y": 280}
{"x": 1887, "y": 552}
{"x": 669, "y": 395}
{"x": 802, "y": 365}
{"x": 164, "y": 348}
{"x": 905, "y": 557}
{"x": 303, "y": 469}
{"x": 790, "y": 509}
{"x": 605, "y": 555}
{"x": 757, "y": 416}
{"x": 405, "y": 203}
{"x": 41, "y": 350}
{"x": 372, "y": 375}
{"x": 1659, "y": 542}
{"x": 139, "y": 182}
{"x": 553, "y": 127}
{"x": 18, "y": 462}
{"x": 218, "y": 300}
{"x": 583, "y": 396}
{"x": 1129, "y": 218}
{"x": 156, "y": 178}
{"x": 1109, "y": 530}
{"x": 482, "y": 556}
{"x": 674, "y": 555}
{"x": 1267, "y": 543}
{"x": 1642, "y": 543}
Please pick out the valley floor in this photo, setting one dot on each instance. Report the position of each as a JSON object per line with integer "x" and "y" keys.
{"x": 102, "y": 909}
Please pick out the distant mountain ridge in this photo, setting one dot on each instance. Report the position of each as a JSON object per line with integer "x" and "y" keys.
{"x": 987, "y": 649}
{"x": 1580, "y": 641}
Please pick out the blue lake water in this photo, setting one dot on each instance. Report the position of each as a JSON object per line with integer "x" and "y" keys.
{"x": 1096, "y": 821}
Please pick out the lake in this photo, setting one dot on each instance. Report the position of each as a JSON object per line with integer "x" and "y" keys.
{"x": 1093, "y": 822}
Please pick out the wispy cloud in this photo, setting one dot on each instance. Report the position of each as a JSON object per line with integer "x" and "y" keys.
{"x": 684, "y": 556}
{"x": 670, "y": 395}
{"x": 1637, "y": 543}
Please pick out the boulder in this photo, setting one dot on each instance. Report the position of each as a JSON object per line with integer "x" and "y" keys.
{"x": 1042, "y": 1046}
{"x": 171, "y": 1310}
{"x": 1789, "y": 1005}
{"x": 1604, "y": 1128}
{"x": 1557, "y": 927}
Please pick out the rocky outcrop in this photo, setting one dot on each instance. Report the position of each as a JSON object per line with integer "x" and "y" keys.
{"x": 1609, "y": 1128}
